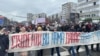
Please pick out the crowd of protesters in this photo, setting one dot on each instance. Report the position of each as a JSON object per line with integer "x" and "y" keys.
{"x": 78, "y": 27}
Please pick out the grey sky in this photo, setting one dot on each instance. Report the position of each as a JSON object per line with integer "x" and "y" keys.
{"x": 22, "y": 7}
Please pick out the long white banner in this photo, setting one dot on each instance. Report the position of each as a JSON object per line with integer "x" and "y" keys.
{"x": 47, "y": 39}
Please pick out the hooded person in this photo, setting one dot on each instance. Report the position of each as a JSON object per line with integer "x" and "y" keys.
{"x": 4, "y": 42}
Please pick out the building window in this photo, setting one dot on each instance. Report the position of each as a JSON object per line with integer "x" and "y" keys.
{"x": 80, "y": 11}
{"x": 89, "y": 15}
{"x": 93, "y": 15}
{"x": 94, "y": 3}
{"x": 87, "y": 0}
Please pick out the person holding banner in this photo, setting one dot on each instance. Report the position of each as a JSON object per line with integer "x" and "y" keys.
{"x": 57, "y": 49}
{"x": 12, "y": 32}
{"x": 25, "y": 53}
{"x": 4, "y": 41}
{"x": 39, "y": 52}
{"x": 95, "y": 28}
{"x": 71, "y": 49}
{"x": 83, "y": 29}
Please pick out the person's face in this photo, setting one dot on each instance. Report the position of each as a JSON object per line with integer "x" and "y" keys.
{"x": 23, "y": 29}
{"x": 72, "y": 27}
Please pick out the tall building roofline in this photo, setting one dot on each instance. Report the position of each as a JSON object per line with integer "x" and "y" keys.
{"x": 68, "y": 3}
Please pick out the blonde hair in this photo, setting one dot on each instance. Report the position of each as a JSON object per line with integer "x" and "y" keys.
{"x": 39, "y": 28}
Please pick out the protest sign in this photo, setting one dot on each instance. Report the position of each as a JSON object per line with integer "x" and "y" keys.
{"x": 41, "y": 20}
{"x": 47, "y": 39}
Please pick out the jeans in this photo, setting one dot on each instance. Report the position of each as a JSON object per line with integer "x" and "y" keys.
{"x": 40, "y": 53}
{"x": 57, "y": 50}
{"x": 86, "y": 48}
{"x": 71, "y": 51}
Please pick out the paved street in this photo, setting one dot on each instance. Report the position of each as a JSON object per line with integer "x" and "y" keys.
{"x": 64, "y": 52}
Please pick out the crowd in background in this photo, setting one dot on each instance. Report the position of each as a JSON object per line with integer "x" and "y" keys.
{"x": 66, "y": 27}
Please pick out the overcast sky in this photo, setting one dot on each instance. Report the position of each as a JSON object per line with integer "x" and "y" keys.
{"x": 22, "y": 7}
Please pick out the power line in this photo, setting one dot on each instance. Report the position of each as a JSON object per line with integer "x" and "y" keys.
{"x": 16, "y": 16}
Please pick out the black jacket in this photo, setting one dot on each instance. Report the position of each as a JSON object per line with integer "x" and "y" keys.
{"x": 72, "y": 30}
{"x": 17, "y": 29}
{"x": 4, "y": 42}
{"x": 65, "y": 27}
